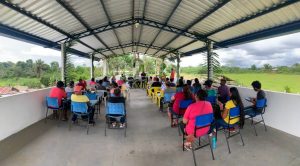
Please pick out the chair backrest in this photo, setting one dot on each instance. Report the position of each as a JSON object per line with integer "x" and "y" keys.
{"x": 211, "y": 99}
{"x": 185, "y": 103}
{"x": 52, "y": 102}
{"x": 92, "y": 96}
{"x": 179, "y": 89}
{"x": 261, "y": 104}
{"x": 156, "y": 89}
{"x": 69, "y": 94}
{"x": 204, "y": 120}
{"x": 115, "y": 108}
{"x": 105, "y": 84}
{"x": 79, "y": 107}
{"x": 234, "y": 113}
{"x": 168, "y": 96}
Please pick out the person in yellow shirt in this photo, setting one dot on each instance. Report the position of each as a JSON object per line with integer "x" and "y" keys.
{"x": 235, "y": 101}
{"x": 78, "y": 97}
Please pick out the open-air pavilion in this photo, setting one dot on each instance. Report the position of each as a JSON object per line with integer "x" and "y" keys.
{"x": 158, "y": 28}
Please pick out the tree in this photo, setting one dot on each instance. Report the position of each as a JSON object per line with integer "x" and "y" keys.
{"x": 39, "y": 64}
{"x": 54, "y": 66}
{"x": 253, "y": 67}
{"x": 267, "y": 67}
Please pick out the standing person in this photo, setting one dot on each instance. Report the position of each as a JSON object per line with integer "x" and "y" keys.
{"x": 59, "y": 93}
{"x": 201, "y": 107}
{"x": 172, "y": 76}
{"x": 144, "y": 79}
{"x": 223, "y": 91}
{"x": 70, "y": 87}
{"x": 251, "y": 110}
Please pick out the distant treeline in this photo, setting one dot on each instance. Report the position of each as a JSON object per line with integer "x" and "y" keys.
{"x": 294, "y": 69}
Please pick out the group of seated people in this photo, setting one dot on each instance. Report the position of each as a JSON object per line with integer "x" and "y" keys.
{"x": 77, "y": 93}
{"x": 225, "y": 99}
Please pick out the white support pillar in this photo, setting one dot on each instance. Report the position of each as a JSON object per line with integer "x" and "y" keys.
{"x": 105, "y": 67}
{"x": 178, "y": 67}
{"x": 210, "y": 69}
{"x": 92, "y": 70}
{"x": 63, "y": 62}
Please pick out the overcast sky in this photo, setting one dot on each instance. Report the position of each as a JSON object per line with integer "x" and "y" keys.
{"x": 284, "y": 50}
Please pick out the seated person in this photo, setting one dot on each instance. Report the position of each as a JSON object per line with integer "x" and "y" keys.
{"x": 59, "y": 93}
{"x": 223, "y": 91}
{"x": 180, "y": 85}
{"x": 100, "y": 86}
{"x": 92, "y": 84}
{"x": 78, "y": 97}
{"x": 189, "y": 84}
{"x": 176, "y": 99}
{"x": 113, "y": 79}
{"x": 208, "y": 87}
{"x": 120, "y": 82}
{"x": 168, "y": 89}
{"x": 163, "y": 84}
{"x": 105, "y": 82}
{"x": 235, "y": 101}
{"x": 70, "y": 87}
{"x": 201, "y": 107}
{"x": 114, "y": 86}
{"x": 172, "y": 84}
{"x": 117, "y": 99}
{"x": 82, "y": 84}
{"x": 156, "y": 82}
{"x": 130, "y": 81}
{"x": 251, "y": 110}
{"x": 196, "y": 85}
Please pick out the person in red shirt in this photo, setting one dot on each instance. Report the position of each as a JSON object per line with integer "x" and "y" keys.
{"x": 172, "y": 76}
{"x": 81, "y": 83}
{"x": 176, "y": 99}
{"x": 59, "y": 93}
{"x": 200, "y": 107}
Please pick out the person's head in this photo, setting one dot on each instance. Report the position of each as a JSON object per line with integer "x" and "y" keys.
{"x": 77, "y": 90}
{"x": 105, "y": 78}
{"x": 167, "y": 79}
{"x": 180, "y": 82}
{"x": 156, "y": 79}
{"x": 223, "y": 81}
{"x": 189, "y": 82}
{"x": 114, "y": 84}
{"x": 60, "y": 84}
{"x": 208, "y": 83}
{"x": 100, "y": 82}
{"x": 196, "y": 81}
{"x": 187, "y": 92}
{"x": 71, "y": 84}
{"x": 93, "y": 79}
{"x": 171, "y": 79}
{"x": 80, "y": 80}
{"x": 256, "y": 85}
{"x": 150, "y": 78}
{"x": 168, "y": 84}
{"x": 201, "y": 95}
{"x": 117, "y": 92}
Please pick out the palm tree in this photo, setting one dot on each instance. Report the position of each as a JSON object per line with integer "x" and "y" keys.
{"x": 39, "y": 64}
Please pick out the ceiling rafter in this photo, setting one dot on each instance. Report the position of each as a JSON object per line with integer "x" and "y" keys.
{"x": 166, "y": 22}
{"x": 109, "y": 22}
{"x": 199, "y": 19}
{"x": 38, "y": 19}
{"x": 77, "y": 17}
{"x": 142, "y": 27}
{"x": 132, "y": 27}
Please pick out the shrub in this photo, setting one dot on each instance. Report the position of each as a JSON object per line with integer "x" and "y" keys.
{"x": 45, "y": 80}
{"x": 287, "y": 89}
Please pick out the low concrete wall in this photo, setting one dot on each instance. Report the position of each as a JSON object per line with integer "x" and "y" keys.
{"x": 20, "y": 111}
{"x": 283, "y": 111}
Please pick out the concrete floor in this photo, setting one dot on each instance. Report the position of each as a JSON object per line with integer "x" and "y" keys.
{"x": 150, "y": 141}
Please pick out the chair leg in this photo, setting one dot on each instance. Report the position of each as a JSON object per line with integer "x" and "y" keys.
{"x": 241, "y": 137}
{"x": 263, "y": 120}
{"x": 70, "y": 121}
{"x": 211, "y": 150}
{"x": 227, "y": 141}
{"x": 183, "y": 139}
{"x": 193, "y": 151}
{"x": 88, "y": 126}
{"x": 46, "y": 115}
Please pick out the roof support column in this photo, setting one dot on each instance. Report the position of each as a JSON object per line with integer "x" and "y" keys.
{"x": 209, "y": 60}
{"x": 92, "y": 70}
{"x": 63, "y": 62}
{"x": 178, "y": 67}
{"x": 105, "y": 67}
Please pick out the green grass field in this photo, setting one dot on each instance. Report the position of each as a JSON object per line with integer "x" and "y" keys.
{"x": 270, "y": 81}
{"x": 30, "y": 82}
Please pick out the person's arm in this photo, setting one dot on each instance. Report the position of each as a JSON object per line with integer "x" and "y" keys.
{"x": 225, "y": 113}
{"x": 186, "y": 115}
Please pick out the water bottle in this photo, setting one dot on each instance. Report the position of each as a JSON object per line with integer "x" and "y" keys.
{"x": 214, "y": 140}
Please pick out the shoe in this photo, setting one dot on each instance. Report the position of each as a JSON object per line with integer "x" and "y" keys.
{"x": 92, "y": 122}
{"x": 232, "y": 130}
{"x": 122, "y": 125}
{"x": 114, "y": 125}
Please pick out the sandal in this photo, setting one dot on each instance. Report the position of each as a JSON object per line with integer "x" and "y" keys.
{"x": 188, "y": 146}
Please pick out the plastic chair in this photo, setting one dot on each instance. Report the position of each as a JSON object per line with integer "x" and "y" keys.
{"x": 79, "y": 109}
{"x": 182, "y": 107}
{"x": 202, "y": 121}
{"x": 166, "y": 99}
{"x": 260, "y": 109}
{"x": 211, "y": 99}
{"x": 94, "y": 99}
{"x": 116, "y": 111}
{"x": 69, "y": 94}
{"x": 52, "y": 104}
{"x": 234, "y": 113}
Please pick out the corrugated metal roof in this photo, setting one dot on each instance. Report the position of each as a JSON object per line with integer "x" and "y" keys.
{"x": 182, "y": 22}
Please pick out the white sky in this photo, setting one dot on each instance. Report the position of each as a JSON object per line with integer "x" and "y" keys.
{"x": 284, "y": 50}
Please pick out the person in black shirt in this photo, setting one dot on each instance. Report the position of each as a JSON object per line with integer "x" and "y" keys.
{"x": 156, "y": 83}
{"x": 251, "y": 110}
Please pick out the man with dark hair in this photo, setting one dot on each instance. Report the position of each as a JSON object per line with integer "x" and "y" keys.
{"x": 156, "y": 83}
{"x": 172, "y": 84}
{"x": 251, "y": 110}
{"x": 59, "y": 93}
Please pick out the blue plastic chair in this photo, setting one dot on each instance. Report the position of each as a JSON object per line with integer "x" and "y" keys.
{"x": 260, "y": 109}
{"x": 183, "y": 105}
{"x": 69, "y": 94}
{"x": 211, "y": 99}
{"x": 202, "y": 121}
{"x": 116, "y": 111}
{"x": 52, "y": 104}
{"x": 80, "y": 109}
{"x": 94, "y": 101}
{"x": 167, "y": 97}
{"x": 234, "y": 113}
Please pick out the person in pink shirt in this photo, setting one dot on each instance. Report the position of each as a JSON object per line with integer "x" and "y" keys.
{"x": 200, "y": 107}
{"x": 120, "y": 82}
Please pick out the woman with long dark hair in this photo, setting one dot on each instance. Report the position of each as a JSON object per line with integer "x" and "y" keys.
{"x": 235, "y": 101}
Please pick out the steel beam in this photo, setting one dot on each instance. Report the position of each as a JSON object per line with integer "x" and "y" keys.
{"x": 199, "y": 19}
{"x": 141, "y": 29}
{"x": 77, "y": 17}
{"x": 166, "y": 22}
